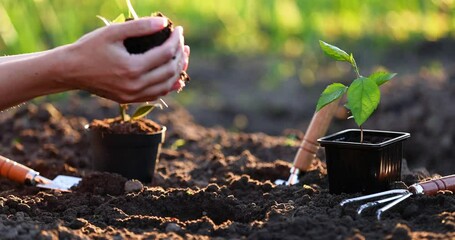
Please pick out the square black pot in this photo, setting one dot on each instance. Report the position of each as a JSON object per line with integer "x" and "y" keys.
{"x": 365, "y": 167}
{"x": 133, "y": 156}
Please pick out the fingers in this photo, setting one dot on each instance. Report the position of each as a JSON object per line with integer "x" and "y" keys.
{"x": 159, "y": 68}
{"x": 162, "y": 54}
{"x": 173, "y": 69}
{"x": 136, "y": 28}
{"x": 186, "y": 50}
{"x": 167, "y": 73}
{"x": 161, "y": 81}
{"x": 178, "y": 85}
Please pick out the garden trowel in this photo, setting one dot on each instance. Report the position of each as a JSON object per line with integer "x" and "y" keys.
{"x": 19, "y": 173}
{"x": 309, "y": 145}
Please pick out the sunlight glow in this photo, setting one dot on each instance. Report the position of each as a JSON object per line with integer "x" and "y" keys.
{"x": 288, "y": 15}
{"x": 7, "y": 31}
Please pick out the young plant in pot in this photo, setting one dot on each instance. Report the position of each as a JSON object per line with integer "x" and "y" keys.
{"x": 360, "y": 160}
{"x": 130, "y": 145}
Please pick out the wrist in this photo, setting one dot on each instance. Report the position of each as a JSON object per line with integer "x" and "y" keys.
{"x": 61, "y": 65}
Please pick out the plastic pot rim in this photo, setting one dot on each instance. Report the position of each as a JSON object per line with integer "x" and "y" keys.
{"x": 163, "y": 129}
{"x": 334, "y": 139}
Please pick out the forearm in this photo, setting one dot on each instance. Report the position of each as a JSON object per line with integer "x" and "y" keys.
{"x": 99, "y": 63}
{"x": 4, "y": 59}
{"x": 24, "y": 77}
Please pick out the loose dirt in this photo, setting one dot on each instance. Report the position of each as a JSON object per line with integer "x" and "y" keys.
{"x": 210, "y": 183}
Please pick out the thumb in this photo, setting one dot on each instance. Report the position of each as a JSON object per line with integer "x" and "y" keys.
{"x": 136, "y": 28}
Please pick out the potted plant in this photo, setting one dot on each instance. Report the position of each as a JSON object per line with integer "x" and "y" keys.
{"x": 360, "y": 160}
{"x": 130, "y": 145}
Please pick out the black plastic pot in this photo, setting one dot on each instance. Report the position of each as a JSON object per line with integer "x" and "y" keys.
{"x": 134, "y": 156}
{"x": 365, "y": 167}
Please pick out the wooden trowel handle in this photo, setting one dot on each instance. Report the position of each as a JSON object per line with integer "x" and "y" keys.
{"x": 15, "y": 171}
{"x": 317, "y": 129}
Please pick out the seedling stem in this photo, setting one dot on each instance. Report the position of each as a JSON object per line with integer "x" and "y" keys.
{"x": 363, "y": 94}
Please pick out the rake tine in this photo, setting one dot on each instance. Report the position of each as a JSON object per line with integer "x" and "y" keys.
{"x": 377, "y": 202}
{"x": 374, "y": 195}
{"x": 390, "y": 205}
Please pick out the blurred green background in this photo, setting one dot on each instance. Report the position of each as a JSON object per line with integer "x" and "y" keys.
{"x": 287, "y": 27}
{"x": 254, "y": 58}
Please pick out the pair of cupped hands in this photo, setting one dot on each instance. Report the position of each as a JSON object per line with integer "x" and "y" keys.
{"x": 99, "y": 62}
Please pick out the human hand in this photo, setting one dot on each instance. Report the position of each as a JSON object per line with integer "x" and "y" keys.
{"x": 99, "y": 62}
{"x": 180, "y": 83}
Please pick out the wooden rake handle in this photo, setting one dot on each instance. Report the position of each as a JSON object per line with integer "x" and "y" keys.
{"x": 432, "y": 187}
{"x": 318, "y": 127}
{"x": 15, "y": 171}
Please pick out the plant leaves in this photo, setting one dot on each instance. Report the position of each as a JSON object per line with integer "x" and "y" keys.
{"x": 123, "y": 108}
{"x": 351, "y": 58}
{"x": 119, "y": 19}
{"x": 143, "y": 110}
{"x": 331, "y": 93}
{"x": 363, "y": 98}
{"x": 132, "y": 13}
{"x": 381, "y": 77}
{"x": 335, "y": 52}
{"x": 105, "y": 21}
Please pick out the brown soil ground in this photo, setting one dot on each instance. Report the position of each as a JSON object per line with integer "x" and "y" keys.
{"x": 215, "y": 184}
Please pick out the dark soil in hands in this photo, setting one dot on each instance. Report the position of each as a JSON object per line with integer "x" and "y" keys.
{"x": 136, "y": 45}
{"x": 210, "y": 184}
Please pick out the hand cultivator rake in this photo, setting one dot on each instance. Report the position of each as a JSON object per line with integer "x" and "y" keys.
{"x": 431, "y": 187}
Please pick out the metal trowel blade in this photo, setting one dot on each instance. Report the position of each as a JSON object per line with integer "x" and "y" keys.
{"x": 61, "y": 183}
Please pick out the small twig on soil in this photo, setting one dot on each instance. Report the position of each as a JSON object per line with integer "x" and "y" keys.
{"x": 7, "y": 192}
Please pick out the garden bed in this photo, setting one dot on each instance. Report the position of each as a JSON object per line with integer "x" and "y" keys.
{"x": 210, "y": 183}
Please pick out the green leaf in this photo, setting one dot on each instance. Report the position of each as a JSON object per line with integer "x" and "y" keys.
{"x": 363, "y": 98}
{"x": 132, "y": 13}
{"x": 119, "y": 19}
{"x": 178, "y": 143}
{"x": 143, "y": 110}
{"x": 105, "y": 21}
{"x": 335, "y": 52}
{"x": 331, "y": 93}
{"x": 351, "y": 58}
{"x": 381, "y": 77}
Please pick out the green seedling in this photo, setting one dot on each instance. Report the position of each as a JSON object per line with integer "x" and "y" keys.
{"x": 121, "y": 18}
{"x": 144, "y": 109}
{"x": 140, "y": 112}
{"x": 363, "y": 94}
{"x": 178, "y": 143}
